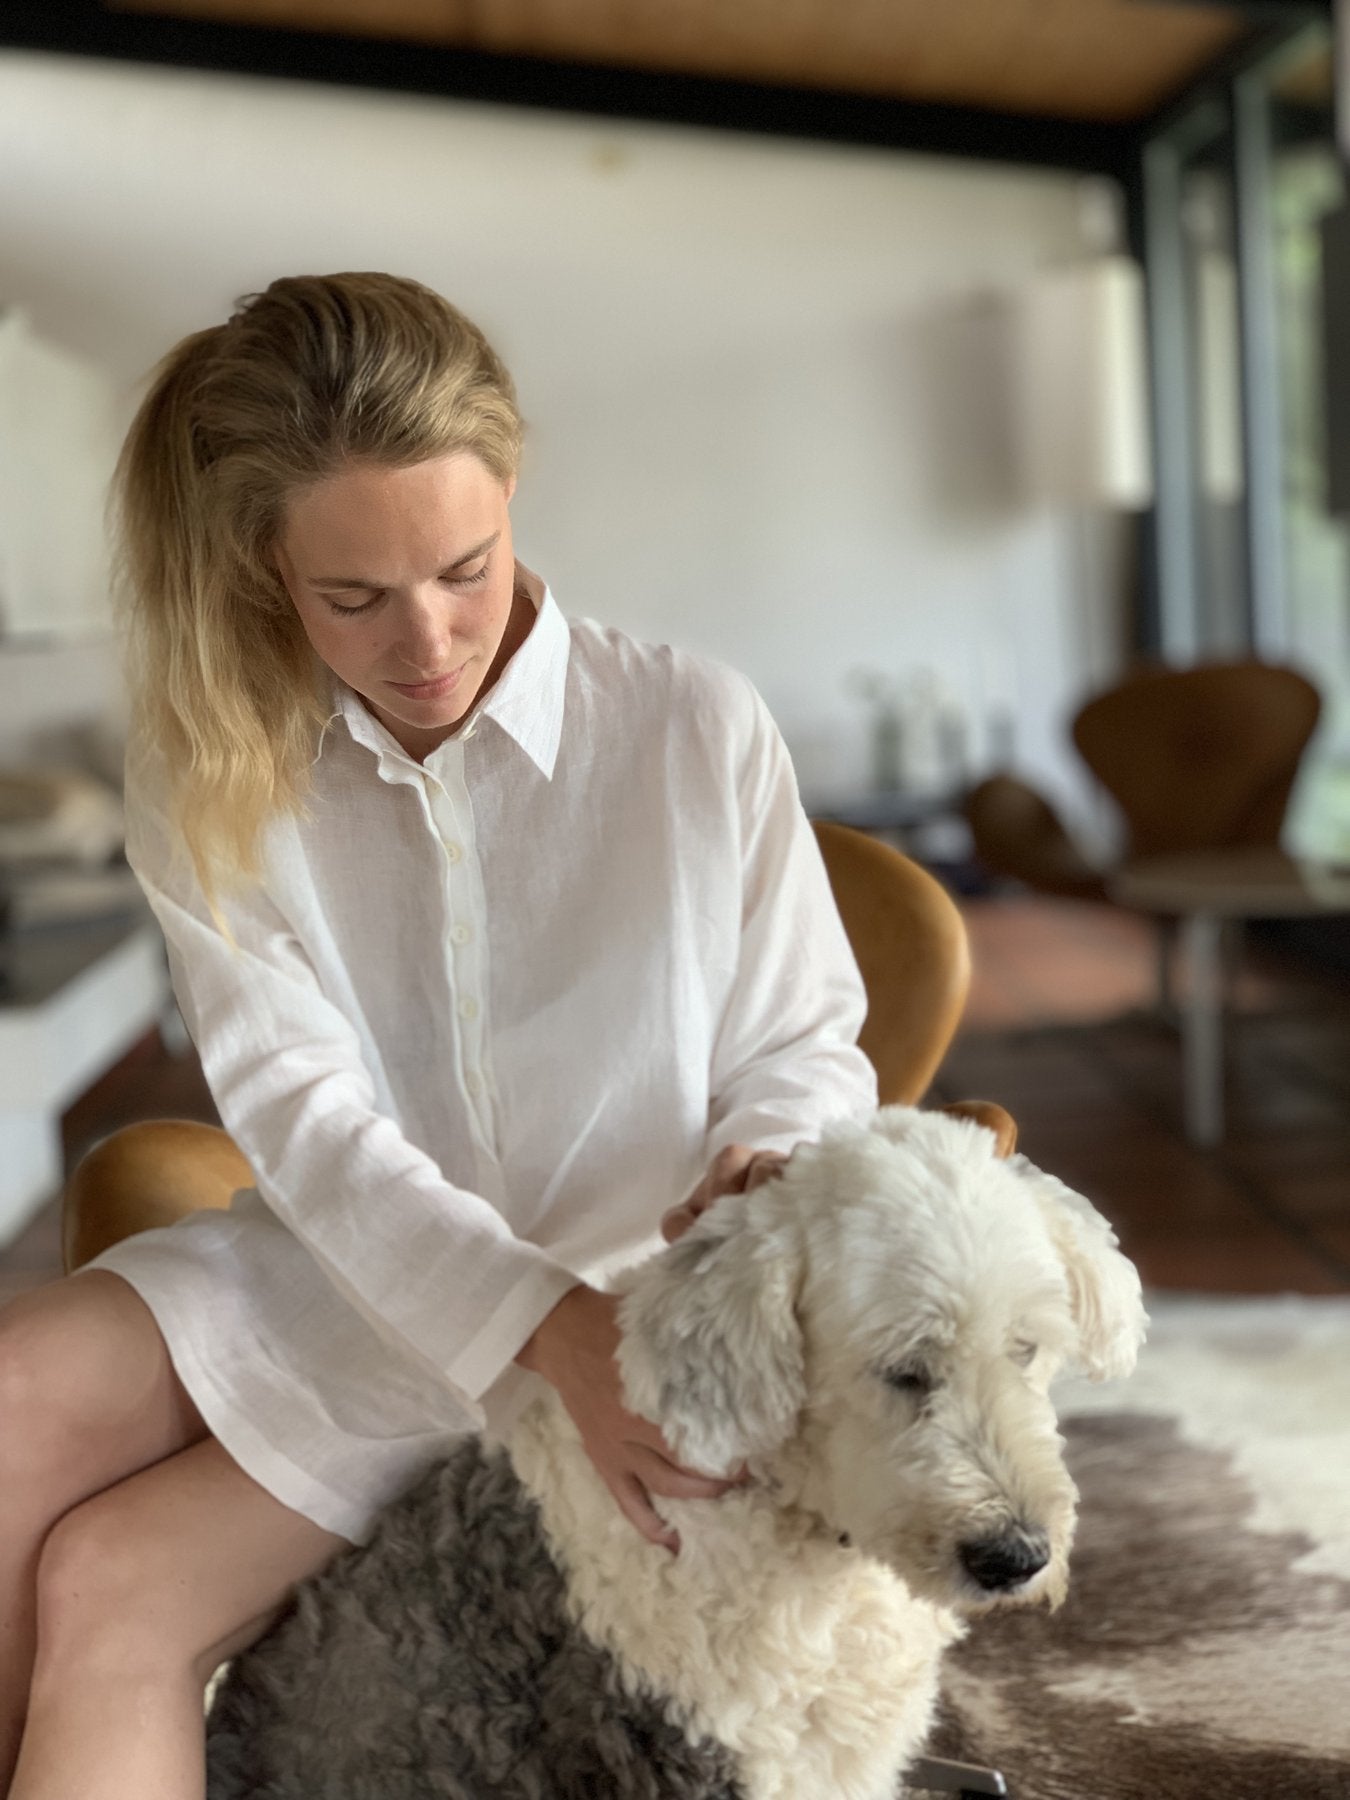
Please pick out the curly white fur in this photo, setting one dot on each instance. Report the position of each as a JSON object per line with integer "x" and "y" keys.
{"x": 875, "y": 1332}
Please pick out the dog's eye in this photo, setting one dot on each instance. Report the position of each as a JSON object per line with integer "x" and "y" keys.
{"x": 916, "y": 1382}
{"x": 1024, "y": 1354}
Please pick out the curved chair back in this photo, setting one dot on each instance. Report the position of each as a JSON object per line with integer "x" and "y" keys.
{"x": 906, "y": 934}
{"x": 1017, "y": 832}
{"x": 151, "y": 1173}
{"x": 911, "y": 950}
{"x": 1201, "y": 758}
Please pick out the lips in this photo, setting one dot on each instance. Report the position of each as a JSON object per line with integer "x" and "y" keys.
{"x": 433, "y": 689}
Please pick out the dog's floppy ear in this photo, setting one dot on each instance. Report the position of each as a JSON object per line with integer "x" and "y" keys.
{"x": 1104, "y": 1290}
{"x": 711, "y": 1350}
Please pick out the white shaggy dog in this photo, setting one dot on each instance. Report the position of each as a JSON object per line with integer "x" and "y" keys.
{"x": 874, "y": 1332}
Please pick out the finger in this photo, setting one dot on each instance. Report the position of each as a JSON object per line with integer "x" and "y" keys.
{"x": 677, "y": 1221}
{"x": 673, "y": 1485}
{"x": 726, "y": 1175}
{"x": 765, "y": 1165}
{"x": 729, "y": 1162}
{"x": 641, "y": 1514}
{"x": 728, "y": 1171}
{"x": 658, "y": 1471}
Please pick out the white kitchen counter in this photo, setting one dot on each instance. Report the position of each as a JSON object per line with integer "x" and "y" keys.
{"x": 76, "y": 999}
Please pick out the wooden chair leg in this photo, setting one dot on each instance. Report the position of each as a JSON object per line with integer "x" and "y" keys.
{"x": 935, "y": 1774}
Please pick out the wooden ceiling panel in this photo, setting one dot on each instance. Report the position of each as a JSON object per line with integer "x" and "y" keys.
{"x": 1101, "y": 59}
{"x": 1068, "y": 59}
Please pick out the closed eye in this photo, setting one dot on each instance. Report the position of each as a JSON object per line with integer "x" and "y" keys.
{"x": 1024, "y": 1353}
{"x": 909, "y": 1379}
{"x": 351, "y": 611}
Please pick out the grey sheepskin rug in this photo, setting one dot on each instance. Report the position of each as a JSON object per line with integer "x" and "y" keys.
{"x": 463, "y": 1680}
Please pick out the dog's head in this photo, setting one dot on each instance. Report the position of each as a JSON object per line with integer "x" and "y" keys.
{"x": 876, "y": 1331}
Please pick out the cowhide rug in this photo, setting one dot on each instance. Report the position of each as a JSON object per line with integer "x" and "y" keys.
{"x": 1204, "y": 1650}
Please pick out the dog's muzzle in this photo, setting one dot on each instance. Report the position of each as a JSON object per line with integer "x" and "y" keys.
{"x": 999, "y": 1564}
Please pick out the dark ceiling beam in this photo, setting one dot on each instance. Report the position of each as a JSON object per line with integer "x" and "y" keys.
{"x": 1261, "y": 12}
{"x": 1275, "y": 11}
{"x": 1214, "y": 82}
{"x": 84, "y": 28}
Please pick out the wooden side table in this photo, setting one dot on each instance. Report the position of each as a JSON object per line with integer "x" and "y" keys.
{"x": 1202, "y": 889}
{"x": 883, "y": 809}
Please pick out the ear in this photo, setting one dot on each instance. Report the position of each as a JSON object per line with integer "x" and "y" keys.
{"x": 1104, "y": 1289}
{"x": 711, "y": 1350}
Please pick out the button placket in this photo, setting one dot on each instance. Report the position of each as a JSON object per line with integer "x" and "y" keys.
{"x": 466, "y": 937}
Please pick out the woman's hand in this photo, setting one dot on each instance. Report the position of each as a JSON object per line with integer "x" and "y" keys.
{"x": 573, "y": 1349}
{"x": 738, "y": 1169}
{"x": 735, "y": 1170}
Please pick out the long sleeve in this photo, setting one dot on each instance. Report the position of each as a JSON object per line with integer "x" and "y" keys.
{"x": 427, "y": 1263}
{"x": 785, "y": 1060}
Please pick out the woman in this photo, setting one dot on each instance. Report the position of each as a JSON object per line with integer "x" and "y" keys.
{"x": 495, "y": 936}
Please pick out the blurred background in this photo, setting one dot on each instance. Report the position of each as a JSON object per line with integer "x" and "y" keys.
{"x": 940, "y": 367}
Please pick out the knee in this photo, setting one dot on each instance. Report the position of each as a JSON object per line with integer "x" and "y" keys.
{"x": 111, "y": 1602}
{"x": 98, "y": 1600}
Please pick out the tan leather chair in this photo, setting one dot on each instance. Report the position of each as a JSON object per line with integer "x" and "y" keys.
{"x": 151, "y": 1173}
{"x": 1196, "y": 759}
{"x": 906, "y": 934}
{"x": 910, "y": 944}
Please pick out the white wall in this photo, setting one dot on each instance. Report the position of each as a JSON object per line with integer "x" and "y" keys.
{"x": 764, "y": 397}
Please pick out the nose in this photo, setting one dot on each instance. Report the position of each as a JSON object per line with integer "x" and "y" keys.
{"x": 426, "y": 632}
{"x": 1000, "y": 1563}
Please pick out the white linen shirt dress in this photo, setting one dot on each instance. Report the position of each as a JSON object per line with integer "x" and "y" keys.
{"x": 488, "y": 1016}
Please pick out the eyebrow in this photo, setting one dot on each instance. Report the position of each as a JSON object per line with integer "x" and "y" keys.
{"x": 357, "y": 581}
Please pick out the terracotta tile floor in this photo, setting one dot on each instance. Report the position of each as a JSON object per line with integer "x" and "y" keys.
{"x": 1060, "y": 1030}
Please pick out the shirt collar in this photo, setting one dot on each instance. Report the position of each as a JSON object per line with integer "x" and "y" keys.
{"x": 526, "y": 701}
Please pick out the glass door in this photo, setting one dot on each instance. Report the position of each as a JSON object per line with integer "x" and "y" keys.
{"x": 1193, "y": 274}
{"x": 1307, "y": 184}
{"x": 1251, "y": 558}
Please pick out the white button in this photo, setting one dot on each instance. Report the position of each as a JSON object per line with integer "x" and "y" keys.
{"x": 474, "y": 1082}
{"x": 468, "y": 1007}
{"x": 453, "y": 851}
{"x": 460, "y": 934}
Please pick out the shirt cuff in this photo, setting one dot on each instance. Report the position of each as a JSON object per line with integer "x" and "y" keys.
{"x": 520, "y": 1311}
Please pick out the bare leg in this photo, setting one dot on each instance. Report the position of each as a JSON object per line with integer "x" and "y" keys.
{"x": 88, "y": 1398}
{"x": 87, "y": 1395}
{"x": 142, "y": 1592}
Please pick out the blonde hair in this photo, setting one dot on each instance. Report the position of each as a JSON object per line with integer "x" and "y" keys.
{"x": 315, "y": 372}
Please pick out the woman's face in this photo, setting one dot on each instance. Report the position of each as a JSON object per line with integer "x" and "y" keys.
{"x": 404, "y": 582}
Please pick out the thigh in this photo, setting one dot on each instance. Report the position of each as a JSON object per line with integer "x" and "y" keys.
{"x": 190, "y": 1558}
{"x": 88, "y": 1392}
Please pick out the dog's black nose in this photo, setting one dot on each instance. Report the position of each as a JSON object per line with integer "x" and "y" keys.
{"x": 1005, "y": 1562}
